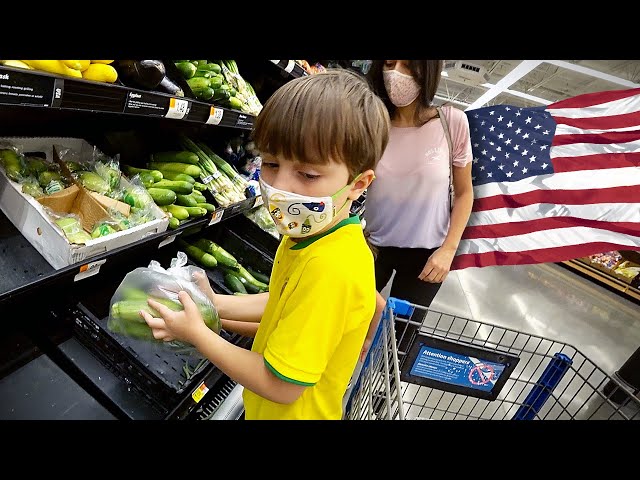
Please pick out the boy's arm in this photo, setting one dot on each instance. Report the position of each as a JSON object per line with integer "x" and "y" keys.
{"x": 373, "y": 326}
{"x": 241, "y": 308}
{"x": 246, "y": 329}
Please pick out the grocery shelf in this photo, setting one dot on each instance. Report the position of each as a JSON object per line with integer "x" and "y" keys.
{"x": 31, "y": 88}
{"x": 603, "y": 278}
{"x": 25, "y": 271}
{"x": 291, "y": 67}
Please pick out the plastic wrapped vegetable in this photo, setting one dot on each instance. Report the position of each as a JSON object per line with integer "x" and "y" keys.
{"x": 13, "y": 163}
{"x": 70, "y": 225}
{"x": 163, "y": 286}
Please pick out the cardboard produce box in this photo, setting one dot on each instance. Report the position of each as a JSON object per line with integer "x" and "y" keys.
{"x": 30, "y": 217}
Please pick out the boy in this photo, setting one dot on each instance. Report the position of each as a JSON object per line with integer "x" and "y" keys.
{"x": 320, "y": 137}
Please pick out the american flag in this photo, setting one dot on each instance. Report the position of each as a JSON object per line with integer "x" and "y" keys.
{"x": 554, "y": 183}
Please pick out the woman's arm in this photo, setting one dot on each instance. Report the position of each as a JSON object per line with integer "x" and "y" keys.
{"x": 439, "y": 262}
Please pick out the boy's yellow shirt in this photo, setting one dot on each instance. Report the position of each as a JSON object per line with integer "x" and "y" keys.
{"x": 322, "y": 297}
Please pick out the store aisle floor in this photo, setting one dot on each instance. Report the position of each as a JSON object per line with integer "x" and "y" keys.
{"x": 550, "y": 301}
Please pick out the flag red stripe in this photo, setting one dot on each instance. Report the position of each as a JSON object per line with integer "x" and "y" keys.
{"x": 519, "y": 228}
{"x": 545, "y": 255}
{"x": 597, "y": 138}
{"x": 628, "y": 194}
{"x": 601, "y": 123}
{"x": 590, "y": 99}
{"x": 596, "y": 162}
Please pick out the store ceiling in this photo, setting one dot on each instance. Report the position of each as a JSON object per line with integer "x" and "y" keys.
{"x": 529, "y": 83}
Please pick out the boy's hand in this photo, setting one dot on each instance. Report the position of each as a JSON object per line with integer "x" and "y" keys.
{"x": 202, "y": 281}
{"x": 185, "y": 325}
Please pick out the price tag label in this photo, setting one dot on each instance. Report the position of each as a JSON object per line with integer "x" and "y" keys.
{"x": 21, "y": 87}
{"x": 216, "y": 217}
{"x": 290, "y": 66}
{"x": 216, "y": 174}
{"x": 89, "y": 270}
{"x": 178, "y": 108}
{"x": 276, "y": 61}
{"x": 207, "y": 179}
{"x": 199, "y": 392}
{"x": 167, "y": 240}
{"x": 215, "y": 116}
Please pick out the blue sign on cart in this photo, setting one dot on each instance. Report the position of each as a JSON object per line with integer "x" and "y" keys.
{"x": 457, "y": 367}
{"x": 463, "y": 370}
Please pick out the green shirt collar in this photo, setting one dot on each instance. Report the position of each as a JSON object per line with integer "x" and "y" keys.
{"x": 353, "y": 219}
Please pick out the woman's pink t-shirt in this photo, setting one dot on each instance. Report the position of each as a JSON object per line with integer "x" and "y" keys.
{"x": 408, "y": 203}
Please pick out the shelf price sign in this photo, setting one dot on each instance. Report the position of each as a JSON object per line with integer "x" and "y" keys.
{"x": 290, "y": 66}
{"x": 178, "y": 108}
{"x": 215, "y": 116}
{"x": 216, "y": 216}
{"x": 26, "y": 88}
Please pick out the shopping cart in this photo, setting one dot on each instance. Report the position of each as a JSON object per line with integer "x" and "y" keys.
{"x": 461, "y": 369}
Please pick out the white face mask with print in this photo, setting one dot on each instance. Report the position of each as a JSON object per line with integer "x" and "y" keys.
{"x": 300, "y": 216}
{"x": 401, "y": 88}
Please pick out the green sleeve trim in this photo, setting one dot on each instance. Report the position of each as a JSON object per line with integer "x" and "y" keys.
{"x": 353, "y": 219}
{"x": 286, "y": 379}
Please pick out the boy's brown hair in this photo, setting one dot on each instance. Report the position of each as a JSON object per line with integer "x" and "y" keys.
{"x": 333, "y": 115}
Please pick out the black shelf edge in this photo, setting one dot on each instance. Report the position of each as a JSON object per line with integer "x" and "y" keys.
{"x": 65, "y": 277}
{"x": 31, "y": 88}
{"x": 291, "y": 67}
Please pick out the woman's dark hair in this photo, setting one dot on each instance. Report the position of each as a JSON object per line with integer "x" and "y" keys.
{"x": 425, "y": 72}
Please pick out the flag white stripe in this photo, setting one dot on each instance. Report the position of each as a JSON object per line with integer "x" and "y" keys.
{"x": 582, "y": 149}
{"x": 562, "y": 129}
{"x": 558, "y": 237}
{"x": 604, "y": 212}
{"x": 579, "y": 180}
{"x": 616, "y": 107}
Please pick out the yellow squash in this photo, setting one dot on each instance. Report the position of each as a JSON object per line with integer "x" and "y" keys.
{"x": 81, "y": 65}
{"x": 53, "y": 66}
{"x": 15, "y": 64}
{"x": 106, "y": 62}
{"x": 100, "y": 72}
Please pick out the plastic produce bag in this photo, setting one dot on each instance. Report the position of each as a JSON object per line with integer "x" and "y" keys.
{"x": 162, "y": 285}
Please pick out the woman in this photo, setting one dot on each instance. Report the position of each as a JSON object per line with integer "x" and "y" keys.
{"x": 408, "y": 213}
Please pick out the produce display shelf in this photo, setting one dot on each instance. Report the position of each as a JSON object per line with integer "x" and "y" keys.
{"x": 25, "y": 271}
{"x": 31, "y": 88}
{"x": 603, "y": 278}
{"x": 291, "y": 67}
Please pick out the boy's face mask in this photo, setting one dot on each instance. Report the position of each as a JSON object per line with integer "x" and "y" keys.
{"x": 298, "y": 215}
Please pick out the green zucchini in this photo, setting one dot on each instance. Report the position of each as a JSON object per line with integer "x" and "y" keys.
{"x": 207, "y": 206}
{"x": 201, "y": 187}
{"x": 196, "y": 211}
{"x": 177, "y": 211}
{"x": 261, "y": 277}
{"x": 186, "y": 200}
{"x": 176, "y": 167}
{"x": 233, "y": 283}
{"x": 197, "y": 255}
{"x": 133, "y": 171}
{"x": 173, "y": 223}
{"x": 222, "y": 256}
{"x": 178, "y": 177}
{"x": 198, "y": 197}
{"x": 177, "y": 186}
{"x": 181, "y": 156}
{"x": 162, "y": 196}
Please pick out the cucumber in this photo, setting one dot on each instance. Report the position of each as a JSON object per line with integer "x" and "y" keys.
{"x": 178, "y": 176}
{"x": 187, "y": 69}
{"x": 177, "y": 211}
{"x": 234, "y": 283}
{"x": 176, "y": 185}
{"x": 162, "y": 196}
{"x": 223, "y": 257}
{"x": 261, "y": 277}
{"x": 196, "y": 211}
{"x": 197, "y": 196}
{"x": 215, "y": 83}
{"x": 191, "y": 170}
{"x": 146, "y": 179}
{"x": 235, "y": 103}
{"x": 173, "y": 223}
{"x": 207, "y": 206}
{"x": 201, "y": 187}
{"x": 133, "y": 171}
{"x": 181, "y": 156}
{"x": 186, "y": 200}
{"x": 198, "y": 83}
{"x": 197, "y": 255}
{"x": 203, "y": 93}
{"x": 221, "y": 95}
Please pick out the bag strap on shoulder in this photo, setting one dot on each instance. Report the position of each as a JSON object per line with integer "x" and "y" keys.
{"x": 447, "y": 134}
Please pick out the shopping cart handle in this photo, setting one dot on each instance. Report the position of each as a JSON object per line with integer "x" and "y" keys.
{"x": 400, "y": 307}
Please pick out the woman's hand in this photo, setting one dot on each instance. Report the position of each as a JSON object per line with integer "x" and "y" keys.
{"x": 438, "y": 265}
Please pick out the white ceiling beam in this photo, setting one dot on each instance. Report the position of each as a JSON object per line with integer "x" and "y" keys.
{"x": 593, "y": 73}
{"x": 515, "y": 93}
{"x": 450, "y": 100}
{"x": 505, "y": 82}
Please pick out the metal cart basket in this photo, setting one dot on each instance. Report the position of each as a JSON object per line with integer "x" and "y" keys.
{"x": 455, "y": 368}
